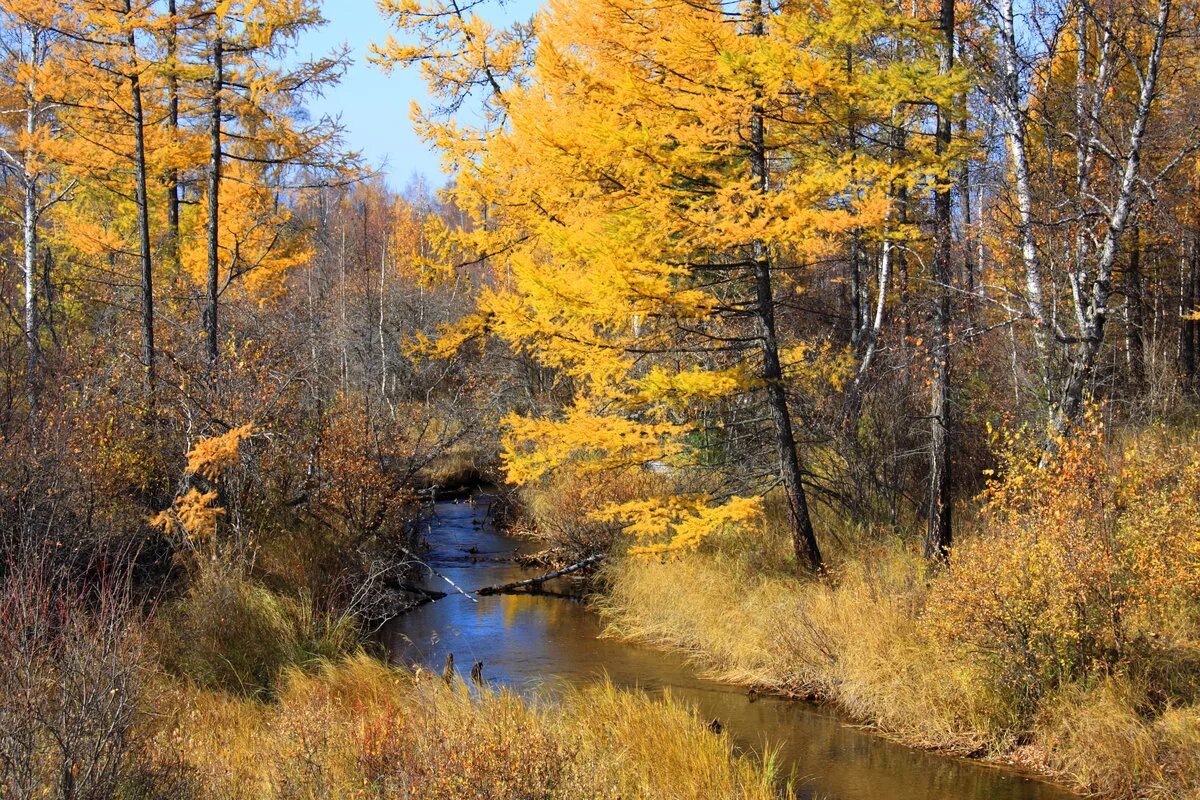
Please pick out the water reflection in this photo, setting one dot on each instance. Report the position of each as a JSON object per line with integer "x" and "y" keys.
{"x": 530, "y": 643}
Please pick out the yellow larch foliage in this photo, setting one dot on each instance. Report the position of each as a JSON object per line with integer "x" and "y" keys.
{"x": 591, "y": 440}
{"x": 212, "y": 456}
{"x": 258, "y": 242}
{"x": 195, "y": 515}
{"x": 610, "y": 190}
{"x": 664, "y": 525}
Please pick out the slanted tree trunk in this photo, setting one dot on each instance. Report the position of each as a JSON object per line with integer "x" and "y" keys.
{"x": 214, "y": 199}
{"x": 143, "y": 212}
{"x": 1094, "y": 314}
{"x": 939, "y": 532}
{"x": 804, "y": 539}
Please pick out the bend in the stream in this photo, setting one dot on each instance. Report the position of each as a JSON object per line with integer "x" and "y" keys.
{"x": 532, "y": 642}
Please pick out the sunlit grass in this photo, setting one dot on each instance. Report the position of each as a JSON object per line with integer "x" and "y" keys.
{"x": 863, "y": 639}
{"x": 358, "y": 728}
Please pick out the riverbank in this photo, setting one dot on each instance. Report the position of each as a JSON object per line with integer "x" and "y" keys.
{"x": 358, "y": 728}
{"x": 535, "y": 643}
{"x": 1061, "y": 639}
{"x": 234, "y": 690}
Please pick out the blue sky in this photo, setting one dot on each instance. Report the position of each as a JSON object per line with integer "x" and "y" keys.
{"x": 374, "y": 106}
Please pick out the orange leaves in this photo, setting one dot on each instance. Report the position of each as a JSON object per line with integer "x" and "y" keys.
{"x": 1080, "y": 557}
{"x": 212, "y": 456}
{"x": 195, "y": 515}
{"x": 259, "y": 242}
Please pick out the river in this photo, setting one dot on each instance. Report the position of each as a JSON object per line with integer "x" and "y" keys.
{"x": 532, "y": 642}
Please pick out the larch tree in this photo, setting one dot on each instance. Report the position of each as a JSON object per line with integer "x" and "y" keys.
{"x": 252, "y": 92}
{"x": 111, "y": 109}
{"x": 661, "y": 175}
{"x": 939, "y": 529}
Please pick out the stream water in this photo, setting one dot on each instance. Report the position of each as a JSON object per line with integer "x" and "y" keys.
{"x": 531, "y": 642}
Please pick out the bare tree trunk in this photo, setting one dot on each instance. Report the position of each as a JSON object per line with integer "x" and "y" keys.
{"x": 173, "y": 121}
{"x": 1187, "y": 331}
{"x": 804, "y": 540}
{"x": 29, "y": 230}
{"x": 1009, "y": 100}
{"x": 214, "y": 198}
{"x": 902, "y": 270}
{"x": 1095, "y": 314}
{"x": 344, "y": 330}
{"x": 383, "y": 364}
{"x": 143, "y": 212}
{"x": 971, "y": 263}
{"x": 858, "y": 291}
{"x": 1135, "y": 350}
{"x": 939, "y": 532}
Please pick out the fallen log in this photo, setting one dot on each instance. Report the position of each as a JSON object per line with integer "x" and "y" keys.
{"x": 427, "y": 595}
{"x": 534, "y": 583}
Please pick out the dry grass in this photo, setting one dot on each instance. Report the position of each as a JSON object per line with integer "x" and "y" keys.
{"x": 231, "y": 633}
{"x": 358, "y": 728}
{"x": 454, "y": 469}
{"x": 862, "y": 640}
{"x": 853, "y": 640}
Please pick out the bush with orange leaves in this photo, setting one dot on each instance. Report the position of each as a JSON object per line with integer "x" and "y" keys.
{"x": 365, "y": 471}
{"x": 1088, "y": 562}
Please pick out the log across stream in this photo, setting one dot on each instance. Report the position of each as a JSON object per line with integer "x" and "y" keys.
{"x": 533, "y": 642}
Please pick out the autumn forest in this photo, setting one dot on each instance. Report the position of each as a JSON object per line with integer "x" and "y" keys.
{"x": 839, "y": 358}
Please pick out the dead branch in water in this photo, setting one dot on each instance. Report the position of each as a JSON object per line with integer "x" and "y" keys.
{"x": 536, "y": 582}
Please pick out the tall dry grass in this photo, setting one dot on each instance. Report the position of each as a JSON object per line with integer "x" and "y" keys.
{"x": 1080, "y": 661}
{"x": 854, "y": 640}
{"x": 229, "y": 632}
{"x": 358, "y": 728}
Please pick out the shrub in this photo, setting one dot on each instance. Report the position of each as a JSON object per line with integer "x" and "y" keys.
{"x": 1086, "y": 560}
{"x": 70, "y": 667}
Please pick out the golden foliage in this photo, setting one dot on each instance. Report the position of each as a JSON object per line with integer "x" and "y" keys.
{"x": 213, "y": 455}
{"x": 611, "y": 192}
{"x": 195, "y": 515}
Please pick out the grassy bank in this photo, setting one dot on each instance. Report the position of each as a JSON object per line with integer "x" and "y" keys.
{"x": 861, "y": 642}
{"x": 1062, "y": 636}
{"x": 357, "y": 728}
{"x": 233, "y": 690}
